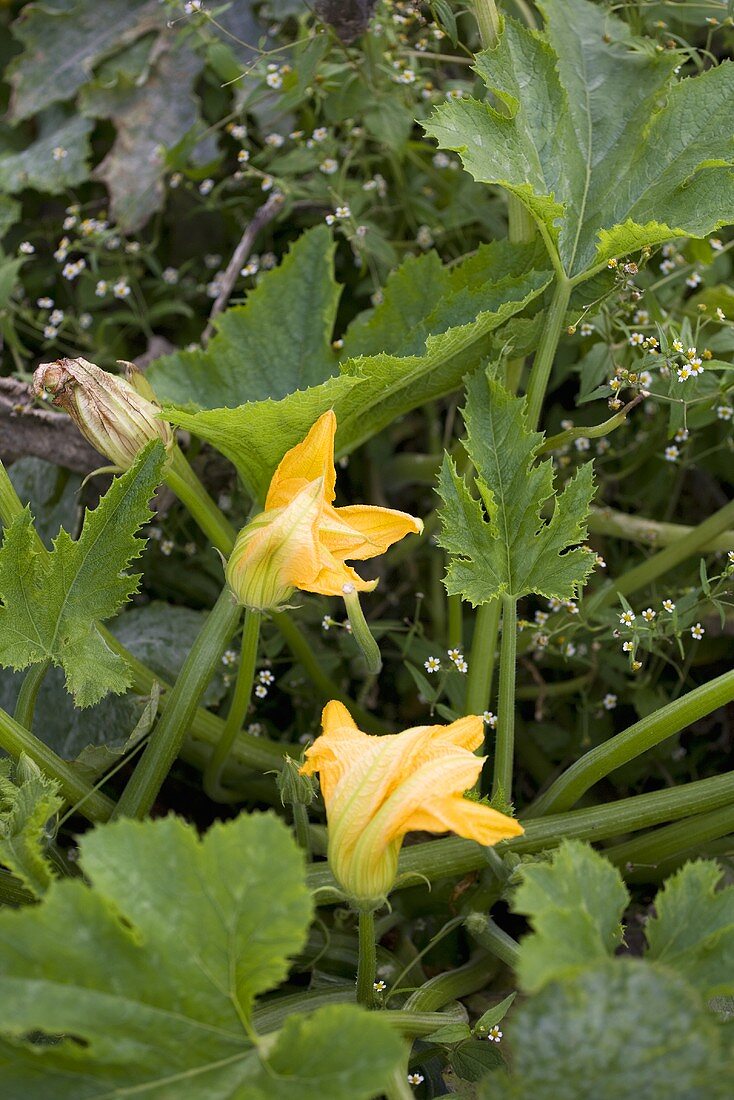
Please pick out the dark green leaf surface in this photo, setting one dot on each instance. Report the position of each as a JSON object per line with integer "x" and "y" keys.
{"x": 596, "y": 136}
{"x": 52, "y": 599}
{"x": 499, "y": 544}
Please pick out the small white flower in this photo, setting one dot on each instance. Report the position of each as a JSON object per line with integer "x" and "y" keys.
{"x": 494, "y": 1034}
{"x": 582, "y": 443}
{"x": 569, "y": 650}
{"x": 433, "y": 664}
{"x": 175, "y": 180}
{"x": 724, "y": 412}
{"x": 59, "y": 153}
{"x": 609, "y": 701}
{"x": 62, "y": 250}
{"x": 268, "y": 260}
{"x": 343, "y": 212}
{"x": 274, "y": 80}
{"x": 238, "y": 132}
{"x": 243, "y": 156}
{"x": 693, "y": 280}
{"x": 636, "y": 339}
{"x": 45, "y": 303}
{"x": 462, "y": 666}
{"x": 677, "y": 345}
{"x": 697, "y": 632}
{"x": 50, "y": 331}
{"x": 266, "y": 676}
{"x": 26, "y": 248}
{"x": 101, "y": 288}
{"x": 490, "y": 719}
{"x": 329, "y": 166}
{"x": 627, "y": 647}
{"x": 251, "y": 267}
{"x": 441, "y": 160}
{"x": 415, "y": 1078}
{"x": 684, "y": 373}
{"x": 274, "y": 140}
{"x": 85, "y": 320}
{"x": 672, "y": 454}
{"x": 648, "y": 614}
{"x": 170, "y": 276}
{"x": 206, "y": 186}
{"x": 73, "y": 270}
{"x": 554, "y": 604}
{"x": 716, "y": 244}
{"x": 681, "y": 435}
{"x": 121, "y": 289}
{"x": 627, "y": 618}
{"x": 167, "y": 547}
{"x": 586, "y": 329}
{"x": 320, "y": 134}
{"x": 56, "y": 316}
{"x": 266, "y": 183}
{"x": 641, "y": 317}
{"x": 720, "y": 315}
{"x": 379, "y": 987}
{"x": 667, "y": 266}
{"x": 691, "y": 353}
{"x": 668, "y": 605}
{"x": 229, "y": 657}
{"x": 255, "y": 729}
{"x": 261, "y": 691}
{"x": 191, "y": 7}
{"x": 327, "y": 622}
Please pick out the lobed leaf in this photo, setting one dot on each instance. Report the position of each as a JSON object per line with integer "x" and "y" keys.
{"x": 574, "y": 905}
{"x": 595, "y": 136}
{"x": 28, "y": 801}
{"x": 51, "y": 600}
{"x": 499, "y": 544}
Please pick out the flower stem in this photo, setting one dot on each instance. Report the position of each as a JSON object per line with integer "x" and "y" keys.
{"x": 488, "y": 21}
{"x": 543, "y": 362}
{"x": 185, "y": 484}
{"x": 367, "y": 964}
{"x": 493, "y": 938}
{"x": 16, "y": 739}
{"x": 455, "y": 637}
{"x": 168, "y": 735}
{"x": 26, "y": 703}
{"x": 505, "y": 742}
{"x": 452, "y": 984}
{"x": 237, "y": 711}
{"x": 632, "y": 742}
{"x": 361, "y": 632}
{"x": 481, "y": 657}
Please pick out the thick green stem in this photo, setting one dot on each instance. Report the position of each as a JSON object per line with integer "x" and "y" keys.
{"x": 671, "y": 840}
{"x": 493, "y": 938}
{"x": 455, "y": 636}
{"x": 454, "y": 856}
{"x": 361, "y": 632}
{"x": 192, "y": 494}
{"x": 640, "y": 737}
{"x": 367, "y": 965}
{"x": 16, "y": 739}
{"x": 237, "y": 711}
{"x": 481, "y": 658}
{"x": 452, "y": 984}
{"x": 546, "y": 353}
{"x": 666, "y": 559}
{"x": 12, "y": 891}
{"x": 504, "y": 752}
{"x": 25, "y": 706}
{"x": 302, "y": 829}
{"x": 607, "y": 521}
{"x": 168, "y": 735}
{"x": 488, "y": 22}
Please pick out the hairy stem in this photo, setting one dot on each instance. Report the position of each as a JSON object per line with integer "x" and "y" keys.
{"x": 493, "y": 938}
{"x": 25, "y": 706}
{"x": 481, "y": 657}
{"x": 367, "y": 965}
{"x": 671, "y": 840}
{"x": 185, "y": 484}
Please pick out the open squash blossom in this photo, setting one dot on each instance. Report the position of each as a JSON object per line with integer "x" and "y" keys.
{"x": 377, "y": 789}
{"x": 300, "y": 540}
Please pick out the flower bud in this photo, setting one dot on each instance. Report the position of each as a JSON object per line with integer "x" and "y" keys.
{"x": 109, "y": 411}
{"x": 295, "y": 789}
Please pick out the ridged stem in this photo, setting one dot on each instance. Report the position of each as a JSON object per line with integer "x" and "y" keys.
{"x": 504, "y": 752}
{"x": 237, "y": 711}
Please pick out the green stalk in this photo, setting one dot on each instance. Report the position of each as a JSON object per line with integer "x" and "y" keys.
{"x": 367, "y": 965}
{"x": 546, "y": 353}
{"x": 672, "y": 840}
{"x": 456, "y": 626}
{"x": 607, "y": 521}
{"x": 362, "y": 633}
{"x": 12, "y": 891}
{"x": 168, "y": 735}
{"x": 269, "y": 1016}
{"x": 505, "y": 740}
{"x": 237, "y": 711}
{"x": 25, "y": 706}
{"x": 16, "y": 739}
{"x": 185, "y": 484}
{"x": 481, "y": 657}
{"x": 493, "y": 938}
{"x": 488, "y": 21}
{"x": 455, "y": 856}
{"x": 667, "y": 558}
{"x": 452, "y": 984}
{"x": 625, "y": 746}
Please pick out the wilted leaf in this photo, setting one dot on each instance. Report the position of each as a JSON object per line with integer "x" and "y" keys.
{"x": 28, "y": 801}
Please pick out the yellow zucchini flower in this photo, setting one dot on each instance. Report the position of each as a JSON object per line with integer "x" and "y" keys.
{"x": 377, "y": 789}
{"x": 300, "y": 540}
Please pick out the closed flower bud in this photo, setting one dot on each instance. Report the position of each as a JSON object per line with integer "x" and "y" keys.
{"x": 110, "y": 412}
{"x": 295, "y": 789}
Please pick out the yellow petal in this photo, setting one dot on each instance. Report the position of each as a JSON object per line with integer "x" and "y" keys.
{"x": 361, "y": 531}
{"x": 310, "y": 459}
{"x": 472, "y": 820}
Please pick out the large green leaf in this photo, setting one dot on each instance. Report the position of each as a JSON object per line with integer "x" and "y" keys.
{"x": 619, "y": 1030}
{"x": 500, "y": 544}
{"x": 278, "y": 342}
{"x": 28, "y": 801}
{"x": 143, "y": 982}
{"x": 574, "y": 904}
{"x": 595, "y": 136}
{"x": 38, "y": 167}
{"x": 693, "y": 929}
{"x": 64, "y": 41}
{"x": 51, "y": 600}
{"x": 372, "y": 390}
